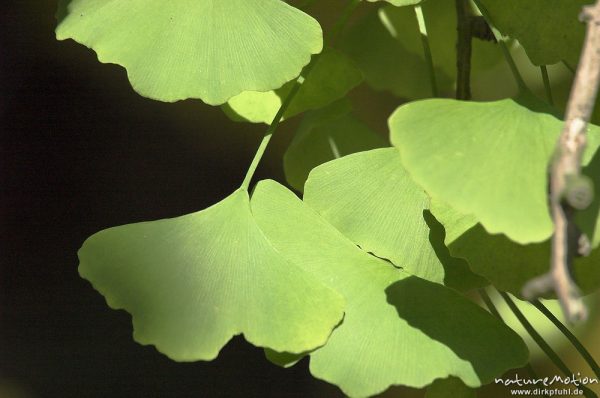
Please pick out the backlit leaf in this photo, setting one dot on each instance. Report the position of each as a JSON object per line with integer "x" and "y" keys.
{"x": 509, "y": 265}
{"x": 488, "y": 160}
{"x": 207, "y": 49}
{"x": 398, "y": 329}
{"x": 193, "y": 282}
{"x": 371, "y": 199}
{"x": 332, "y": 77}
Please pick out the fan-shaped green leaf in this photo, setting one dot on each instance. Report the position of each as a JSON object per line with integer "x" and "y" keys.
{"x": 332, "y": 77}
{"x": 449, "y": 388}
{"x": 509, "y": 265}
{"x": 549, "y": 32}
{"x": 207, "y": 49}
{"x": 398, "y": 329}
{"x": 386, "y": 45}
{"x": 193, "y": 282}
{"x": 325, "y": 135}
{"x": 500, "y": 156}
{"x": 370, "y": 198}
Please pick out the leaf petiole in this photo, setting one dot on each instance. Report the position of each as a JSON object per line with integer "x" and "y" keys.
{"x": 503, "y": 47}
{"x": 539, "y": 340}
{"x": 569, "y": 335}
{"x": 546, "y": 79}
{"x": 339, "y": 25}
{"x": 426, "y": 49}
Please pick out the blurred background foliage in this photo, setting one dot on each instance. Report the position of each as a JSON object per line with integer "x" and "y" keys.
{"x": 80, "y": 151}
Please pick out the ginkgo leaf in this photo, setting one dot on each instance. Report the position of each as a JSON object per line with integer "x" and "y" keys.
{"x": 207, "y": 49}
{"x": 449, "y": 388}
{"x": 500, "y": 156}
{"x": 549, "y": 32}
{"x": 325, "y": 135}
{"x": 509, "y": 265}
{"x": 398, "y": 329}
{"x": 333, "y": 75}
{"x": 369, "y": 197}
{"x": 387, "y": 46}
{"x": 193, "y": 282}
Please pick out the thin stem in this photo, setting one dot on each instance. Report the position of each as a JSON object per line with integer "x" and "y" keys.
{"x": 489, "y": 303}
{"x": 463, "y": 50}
{"x": 338, "y": 27}
{"x": 275, "y": 123}
{"x": 503, "y": 47}
{"x": 569, "y": 335}
{"x": 546, "y": 80}
{"x": 539, "y": 340}
{"x": 426, "y": 50}
{"x": 494, "y": 311}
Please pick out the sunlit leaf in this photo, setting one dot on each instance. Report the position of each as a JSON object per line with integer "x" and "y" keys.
{"x": 488, "y": 160}
{"x": 207, "y": 49}
{"x": 550, "y": 32}
{"x": 370, "y": 198}
{"x": 509, "y": 265}
{"x": 398, "y": 329}
{"x": 332, "y": 77}
{"x": 325, "y": 135}
{"x": 193, "y": 282}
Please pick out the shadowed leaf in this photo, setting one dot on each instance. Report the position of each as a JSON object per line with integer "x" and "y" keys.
{"x": 449, "y": 388}
{"x": 325, "y": 135}
{"x": 550, "y": 32}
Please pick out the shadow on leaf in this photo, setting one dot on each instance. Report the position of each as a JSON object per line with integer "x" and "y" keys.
{"x": 435, "y": 310}
{"x": 457, "y": 274}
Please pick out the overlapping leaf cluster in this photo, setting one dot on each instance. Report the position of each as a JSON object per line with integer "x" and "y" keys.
{"x": 363, "y": 275}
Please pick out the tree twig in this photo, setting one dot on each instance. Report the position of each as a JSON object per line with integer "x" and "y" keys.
{"x": 569, "y": 190}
